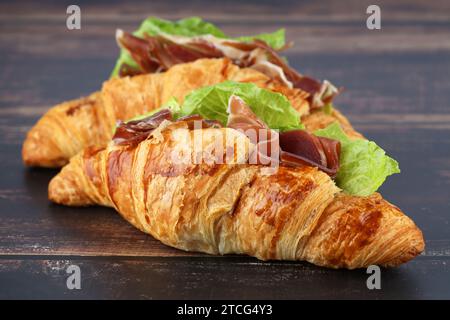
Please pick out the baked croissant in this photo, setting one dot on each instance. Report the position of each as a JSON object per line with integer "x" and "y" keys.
{"x": 296, "y": 213}
{"x": 71, "y": 126}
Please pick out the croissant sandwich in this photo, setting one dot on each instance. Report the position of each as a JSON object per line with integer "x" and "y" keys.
{"x": 233, "y": 170}
{"x": 161, "y": 60}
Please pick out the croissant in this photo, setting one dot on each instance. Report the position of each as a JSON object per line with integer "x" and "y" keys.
{"x": 71, "y": 126}
{"x": 294, "y": 213}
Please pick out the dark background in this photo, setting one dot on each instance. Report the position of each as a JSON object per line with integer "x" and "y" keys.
{"x": 397, "y": 92}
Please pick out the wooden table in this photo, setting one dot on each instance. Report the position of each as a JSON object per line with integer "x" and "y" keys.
{"x": 397, "y": 92}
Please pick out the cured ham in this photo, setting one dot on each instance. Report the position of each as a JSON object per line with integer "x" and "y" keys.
{"x": 295, "y": 147}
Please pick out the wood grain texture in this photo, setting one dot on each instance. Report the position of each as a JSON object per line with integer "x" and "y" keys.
{"x": 396, "y": 92}
{"x": 211, "y": 278}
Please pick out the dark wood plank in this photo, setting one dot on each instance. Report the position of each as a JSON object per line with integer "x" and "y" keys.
{"x": 208, "y": 278}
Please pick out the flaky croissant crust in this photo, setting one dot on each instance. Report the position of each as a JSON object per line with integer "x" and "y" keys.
{"x": 292, "y": 214}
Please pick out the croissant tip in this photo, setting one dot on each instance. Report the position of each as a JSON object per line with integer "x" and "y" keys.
{"x": 53, "y": 195}
{"x": 37, "y": 154}
{"x": 416, "y": 247}
{"x": 66, "y": 188}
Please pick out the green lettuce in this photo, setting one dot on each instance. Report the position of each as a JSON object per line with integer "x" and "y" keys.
{"x": 364, "y": 166}
{"x": 212, "y": 102}
{"x": 187, "y": 27}
{"x": 190, "y": 27}
{"x": 276, "y": 40}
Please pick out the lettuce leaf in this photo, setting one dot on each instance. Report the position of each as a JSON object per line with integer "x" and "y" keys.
{"x": 190, "y": 27}
{"x": 364, "y": 165}
{"x": 276, "y": 39}
{"x": 212, "y": 102}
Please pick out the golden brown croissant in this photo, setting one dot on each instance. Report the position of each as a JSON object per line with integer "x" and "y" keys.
{"x": 318, "y": 119}
{"x": 296, "y": 213}
{"x": 71, "y": 126}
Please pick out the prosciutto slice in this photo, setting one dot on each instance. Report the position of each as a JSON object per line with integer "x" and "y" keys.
{"x": 158, "y": 53}
{"x": 132, "y": 132}
{"x": 293, "y": 148}
{"x": 300, "y": 146}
